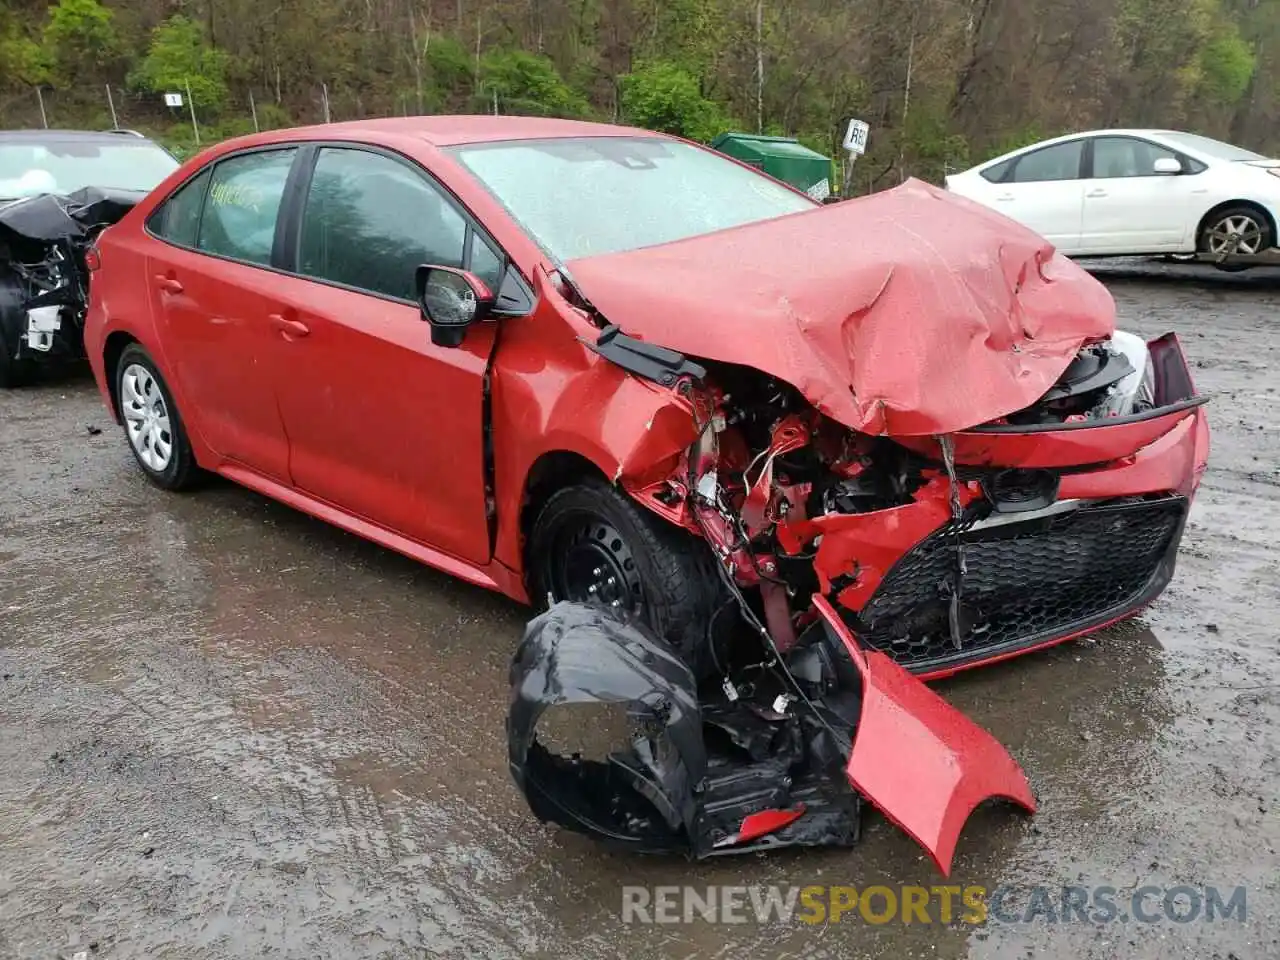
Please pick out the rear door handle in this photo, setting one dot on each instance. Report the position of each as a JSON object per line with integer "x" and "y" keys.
{"x": 1005, "y": 196}
{"x": 168, "y": 284}
{"x": 290, "y": 328}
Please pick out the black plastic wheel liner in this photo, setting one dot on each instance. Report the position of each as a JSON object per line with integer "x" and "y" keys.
{"x": 695, "y": 770}
{"x": 574, "y": 653}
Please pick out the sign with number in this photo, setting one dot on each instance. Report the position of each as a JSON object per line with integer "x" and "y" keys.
{"x": 173, "y": 99}
{"x": 855, "y": 138}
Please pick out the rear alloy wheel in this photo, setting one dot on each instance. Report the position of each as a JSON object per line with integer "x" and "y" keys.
{"x": 1235, "y": 230}
{"x": 151, "y": 422}
{"x": 592, "y": 544}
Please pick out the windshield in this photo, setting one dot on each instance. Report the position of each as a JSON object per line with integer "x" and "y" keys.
{"x": 584, "y": 196}
{"x": 1210, "y": 147}
{"x": 31, "y": 168}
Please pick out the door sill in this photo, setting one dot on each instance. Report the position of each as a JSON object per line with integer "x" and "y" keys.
{"x": 366, "y": 529}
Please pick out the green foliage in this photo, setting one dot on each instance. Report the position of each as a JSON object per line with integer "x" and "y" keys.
{"x": 694, "y": 34}
{"x": 78, "y": 38}
{"x": 943, "y": 83}
{"x": 664, "y": 96}
{"x": 932, "y": 148}
{"x": 527, "y": 83}
{"x": 1016, "y": 139}
{"x": 22, "y": 60}
{"x": 450, "y": 65}
{"x": 272, "y": 116}
{"x": 179, "y": 56}
{"x": 1226, "y": 64}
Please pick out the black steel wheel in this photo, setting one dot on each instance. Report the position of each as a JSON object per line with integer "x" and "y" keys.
{"x": 590, "y": 543}
{"x": 591, "y": 562}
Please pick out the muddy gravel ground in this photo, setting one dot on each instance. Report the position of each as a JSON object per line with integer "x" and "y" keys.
{"x": 227, "y": 730}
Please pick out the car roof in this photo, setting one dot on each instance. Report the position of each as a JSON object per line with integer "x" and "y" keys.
{"x": 450, "y": 130}
{"x": 54, "y": 136}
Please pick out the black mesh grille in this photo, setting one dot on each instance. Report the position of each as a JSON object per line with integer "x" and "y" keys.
{"x": 1025, "y": 581}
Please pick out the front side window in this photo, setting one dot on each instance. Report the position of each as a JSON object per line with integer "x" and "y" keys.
{"x": 586, "y": 196}
{"x": 370, "y": 221}
{"x": 1115, "y": 157}
{"x": 239, "y": 219}
{"x": 178, "y": 218}
{"x": 1059, "y": 162}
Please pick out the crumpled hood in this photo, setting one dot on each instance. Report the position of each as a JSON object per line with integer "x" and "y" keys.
{"x": 909, "y": 312}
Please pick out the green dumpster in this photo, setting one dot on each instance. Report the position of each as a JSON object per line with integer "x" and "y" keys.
{"x": 783, "y": 158}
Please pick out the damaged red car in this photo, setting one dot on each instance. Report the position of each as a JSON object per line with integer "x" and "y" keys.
{"x": 769, "y": 463}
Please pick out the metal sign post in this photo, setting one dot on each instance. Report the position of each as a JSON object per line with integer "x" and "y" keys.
{"x": 192, "y": 106}
{"x": 115, "y": 122}
{"x": 855, "y": 142}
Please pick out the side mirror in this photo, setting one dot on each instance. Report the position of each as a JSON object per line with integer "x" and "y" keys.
{"x": 1167, "y": 165}
{"x": 451, "y": 300}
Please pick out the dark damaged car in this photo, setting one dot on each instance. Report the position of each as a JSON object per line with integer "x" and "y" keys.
{"x": 769, "y": 464}
{"x": 58, "y": 190}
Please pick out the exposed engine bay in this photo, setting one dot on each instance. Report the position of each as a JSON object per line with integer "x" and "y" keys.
{"x": 44, "y": 279}
{"x": 794, "y": 503}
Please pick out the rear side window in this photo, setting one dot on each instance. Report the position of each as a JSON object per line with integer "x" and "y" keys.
{"x": 178, "y": 219}
{"x": 1059, "y": 162}
{"x": 996, "y": 173}
{"x": 239, "y": 218}
{"x": 371, "y": 221}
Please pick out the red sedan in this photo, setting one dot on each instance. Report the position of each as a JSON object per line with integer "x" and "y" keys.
{"x": 580, "y": 362}
{"x": 583, "y": 361}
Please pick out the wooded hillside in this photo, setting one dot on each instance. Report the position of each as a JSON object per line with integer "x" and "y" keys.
{"x": 943, "y": 82}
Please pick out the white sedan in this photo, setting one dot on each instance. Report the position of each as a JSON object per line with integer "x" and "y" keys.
{"x": 1116, "y": 192}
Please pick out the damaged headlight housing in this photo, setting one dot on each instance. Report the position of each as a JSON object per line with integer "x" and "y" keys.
{"x": 1135, "y": 391}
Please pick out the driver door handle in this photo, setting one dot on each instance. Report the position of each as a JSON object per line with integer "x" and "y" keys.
{"x": 1099, "y": 192}
{"x": 168, "y": 284}
{"x": 290, "y": 328}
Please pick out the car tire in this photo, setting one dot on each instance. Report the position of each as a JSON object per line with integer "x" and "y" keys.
{"x": 153, "y": 427}
{"x": 1250, "y": 223}
{"x": 13, "y": 372}
{"x": 590, "y": 535}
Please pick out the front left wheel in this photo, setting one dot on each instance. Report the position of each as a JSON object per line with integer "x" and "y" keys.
{"x": 592, "y": 544}
{"x": 152, "y": 424}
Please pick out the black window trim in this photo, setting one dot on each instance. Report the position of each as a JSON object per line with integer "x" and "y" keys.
{"x": 1085, "y": 147}
{"x": 162, "y": 209}
{"x": 1190, "y": 166}
{"x": 210, "y": 168}
{"x": 284, "y": 247}
{"x": 293, "y": 207}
